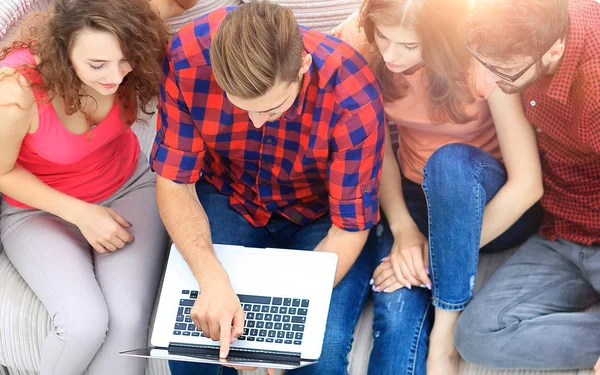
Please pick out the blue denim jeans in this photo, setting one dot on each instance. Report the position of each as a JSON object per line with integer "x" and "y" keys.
{"x": 347, "y": 300}
{"x": 448, "y": 208}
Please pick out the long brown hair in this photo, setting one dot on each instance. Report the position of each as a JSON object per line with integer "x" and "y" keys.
{"x": 440, "y": 26}
{"x": 138, "y": 27}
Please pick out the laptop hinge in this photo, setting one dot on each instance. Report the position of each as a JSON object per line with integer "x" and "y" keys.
{"x": 241, "y": 353}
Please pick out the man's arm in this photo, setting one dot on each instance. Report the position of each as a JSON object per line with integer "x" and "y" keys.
{"x": 217, "y": 308}
{"x": 354, "y": 179}
{"x": 347, "y": 245}
{"x": 187, "y": 224}
{"x": 177, "y": 158}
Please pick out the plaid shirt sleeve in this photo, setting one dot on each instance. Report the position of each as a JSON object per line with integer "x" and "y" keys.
{"x": 355, "y": 167}
{"x": 178, "y": 150}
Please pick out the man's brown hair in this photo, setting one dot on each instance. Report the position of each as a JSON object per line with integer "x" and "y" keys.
{"x": 501, "y": 30}
{"x": 256, "y": 45}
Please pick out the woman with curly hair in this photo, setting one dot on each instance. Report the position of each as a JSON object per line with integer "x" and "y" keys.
{"x": 465, "y": 177}
{"x": 79, "y": 219}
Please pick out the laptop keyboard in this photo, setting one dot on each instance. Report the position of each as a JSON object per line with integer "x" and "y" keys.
{"x": 268, "y": 319}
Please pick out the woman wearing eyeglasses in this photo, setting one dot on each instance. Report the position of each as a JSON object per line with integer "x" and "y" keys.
{"x": 465, "y": 177}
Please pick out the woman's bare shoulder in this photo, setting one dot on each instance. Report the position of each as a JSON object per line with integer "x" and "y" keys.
{"x": 16, "y": 95}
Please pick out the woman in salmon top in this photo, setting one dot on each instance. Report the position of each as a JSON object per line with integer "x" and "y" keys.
{"x": 464, "y": 178}
{"x": 79, "y": 219}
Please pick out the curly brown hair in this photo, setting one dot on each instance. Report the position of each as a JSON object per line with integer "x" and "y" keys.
{"x": 138, "y": 27}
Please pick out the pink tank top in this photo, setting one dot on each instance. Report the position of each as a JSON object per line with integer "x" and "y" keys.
{"x": 90, "y": 166}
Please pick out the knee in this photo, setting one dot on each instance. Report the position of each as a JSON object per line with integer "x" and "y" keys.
{"x": 452, "y": 161}
{"x": 474, "y": 337}
{"x": 87, "y": 326}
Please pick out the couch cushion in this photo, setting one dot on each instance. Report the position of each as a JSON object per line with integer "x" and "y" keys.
{"x": 12, "y": 11}
{"x": 320, "y": 15}
{"x": 200, "y": 9}
{"x": 24, "y": 321}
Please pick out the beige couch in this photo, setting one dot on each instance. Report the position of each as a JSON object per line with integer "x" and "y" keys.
{"x": 23, "y": 320}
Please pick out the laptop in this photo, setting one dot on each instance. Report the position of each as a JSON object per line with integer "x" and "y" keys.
{"x": 285, "y": 295}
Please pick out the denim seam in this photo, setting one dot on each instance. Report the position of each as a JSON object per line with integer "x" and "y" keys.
{"x": 564, "y": 323}
{"x": 522, "y": 299}
{"x": 429, "y": 242}
{"x": 483, "y": 164}
{"x": 451, "y": 306}
{"x": 414, "y": 360}
{"x": 356, "y": 316}
{"x": 581, "y": 260}
{"x": 435, "y": 297}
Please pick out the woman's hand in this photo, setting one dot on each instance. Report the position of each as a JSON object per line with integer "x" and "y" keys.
{"x": 407, "y": 264}
{"x": 103, "y": 227}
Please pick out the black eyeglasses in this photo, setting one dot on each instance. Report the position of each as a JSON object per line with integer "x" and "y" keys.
{"x": 513, "y": 77}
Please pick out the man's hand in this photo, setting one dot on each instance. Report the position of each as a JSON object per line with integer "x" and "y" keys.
{"x": 218, "y": 313}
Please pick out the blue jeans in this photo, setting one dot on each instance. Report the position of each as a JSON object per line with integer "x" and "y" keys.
{"x": 448, "y": 208}
{"x": 347, "y": 300}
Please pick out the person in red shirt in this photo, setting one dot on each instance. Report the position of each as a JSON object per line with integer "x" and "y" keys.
{"x": 270, "y": 135}
{"x": 530, "y": 314}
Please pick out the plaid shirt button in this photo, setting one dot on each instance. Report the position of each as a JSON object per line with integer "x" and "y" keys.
{"x": 302, "y": 166}
{"x": 567, "y": 109}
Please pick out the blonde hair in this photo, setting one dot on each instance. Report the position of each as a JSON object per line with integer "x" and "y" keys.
{"x": 438, "y": 24}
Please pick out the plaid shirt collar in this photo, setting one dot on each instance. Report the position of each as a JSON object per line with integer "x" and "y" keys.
{"x": 296, "y": 110}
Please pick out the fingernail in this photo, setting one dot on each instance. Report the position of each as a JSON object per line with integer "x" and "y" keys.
{"x": 386, "y": 290}
{"x": 408, "y": 286}
{"x": 129, "y": 224}
{"x": 384, "y": 259}
{"x": 376, "y": 289}
{"x": 429, "y": 286}
{"x": 371, "y": 282}
{"x": 427, "y": 270}
{"x": 422, "y": 286}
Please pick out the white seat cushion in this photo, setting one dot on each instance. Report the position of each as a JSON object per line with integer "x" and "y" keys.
{"x": 200, "y": 9}
{"x": 320, "y": 15}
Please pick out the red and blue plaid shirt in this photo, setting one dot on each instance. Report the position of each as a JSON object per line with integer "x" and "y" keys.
{"x": 324, "y": 155}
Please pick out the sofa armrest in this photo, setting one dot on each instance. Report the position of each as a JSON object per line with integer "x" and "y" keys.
{"x": 24, "y": 322}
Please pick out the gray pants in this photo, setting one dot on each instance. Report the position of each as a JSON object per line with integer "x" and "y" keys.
{"x": 99, "y": 304}
{"x": 529, "y": 314}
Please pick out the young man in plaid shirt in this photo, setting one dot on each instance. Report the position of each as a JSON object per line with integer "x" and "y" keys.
{"x": 273, "y": 134}
{"x": 530, "y": 315}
